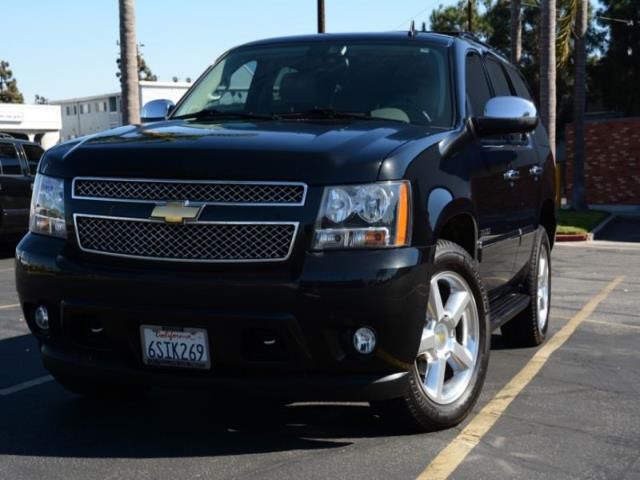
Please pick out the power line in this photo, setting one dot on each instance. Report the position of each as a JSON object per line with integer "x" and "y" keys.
{"x": 627, "y": 21}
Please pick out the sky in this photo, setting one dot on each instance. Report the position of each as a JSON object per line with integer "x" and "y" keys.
{"x": 67, "y": 48}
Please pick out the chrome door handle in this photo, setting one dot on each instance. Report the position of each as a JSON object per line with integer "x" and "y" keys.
{"x": 536, "y": 170}
{"x": 511, "y": 175}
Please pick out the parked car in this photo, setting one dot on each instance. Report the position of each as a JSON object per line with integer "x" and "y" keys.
{"x": 320, "y": 217}
{"x": 18, "y": 166}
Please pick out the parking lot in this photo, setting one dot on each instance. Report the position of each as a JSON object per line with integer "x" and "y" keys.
{"x": 570, "y": 412}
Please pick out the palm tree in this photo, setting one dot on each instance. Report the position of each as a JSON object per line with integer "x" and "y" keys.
{"x": 516, "y": 32}
{"x": 129, "y": 62}
{"x": 548, "y": 70}
{"x": 580, "y": 29}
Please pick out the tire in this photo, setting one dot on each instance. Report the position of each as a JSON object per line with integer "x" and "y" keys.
{"x": 529, "y": 327}
{"x": 442, "y": 387}
{"x": 99, "y": 390}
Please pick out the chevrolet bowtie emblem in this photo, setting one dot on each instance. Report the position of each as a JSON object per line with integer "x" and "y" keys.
{"x": 175, "y": 212}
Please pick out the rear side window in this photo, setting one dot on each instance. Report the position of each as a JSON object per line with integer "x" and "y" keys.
{"x": 498, "y": 78}
{"x": 478, "y": 93}
{"x": 33, "y": 153}
{"x": 9, "y": 162}
{"x": 518, "y": 84}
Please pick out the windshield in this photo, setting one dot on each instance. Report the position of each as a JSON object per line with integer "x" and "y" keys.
{"x": 397, "y": 82}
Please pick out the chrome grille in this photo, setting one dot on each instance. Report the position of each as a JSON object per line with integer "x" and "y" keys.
{"x": 206, "y": 242}
{"x": 211, "y": 192}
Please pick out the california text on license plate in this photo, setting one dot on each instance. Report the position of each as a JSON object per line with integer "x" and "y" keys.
{"x": 175, "y": 347}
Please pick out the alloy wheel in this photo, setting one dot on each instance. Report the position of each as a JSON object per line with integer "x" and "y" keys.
{"x": 448, "y": 351}
{"x": 543, "y": 288}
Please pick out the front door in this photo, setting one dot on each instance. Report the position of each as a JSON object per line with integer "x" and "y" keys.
{"x": 495, "y": 197}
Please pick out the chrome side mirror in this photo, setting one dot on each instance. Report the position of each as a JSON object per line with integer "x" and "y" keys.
{"x": 506, "y": 115}
{"x": 156, "y": 110}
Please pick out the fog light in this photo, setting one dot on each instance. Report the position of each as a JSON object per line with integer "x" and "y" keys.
{"x": 364, "y": 340}
{"x": 41, "y": 317}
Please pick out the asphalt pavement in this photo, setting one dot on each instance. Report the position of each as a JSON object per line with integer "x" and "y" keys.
{"x": 576, "y": 418}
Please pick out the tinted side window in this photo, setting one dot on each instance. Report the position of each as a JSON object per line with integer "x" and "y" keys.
{"x": 498, "y": 78}
{"x": 478, "y": 93}
{"x": 518, "y": 84}
{"x": 33, "y": 153}
{"x": 9, "y": 162}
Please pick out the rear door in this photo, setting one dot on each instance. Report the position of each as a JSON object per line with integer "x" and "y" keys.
{"x": 15, "y": 190}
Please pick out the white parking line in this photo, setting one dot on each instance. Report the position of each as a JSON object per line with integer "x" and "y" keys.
{"x": 25, "y": 385}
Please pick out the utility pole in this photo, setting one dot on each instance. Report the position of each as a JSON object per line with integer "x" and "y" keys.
{"x": 321, "y": 16}
{"x": 582, "y": 14}
{"x": 470, "y": 15}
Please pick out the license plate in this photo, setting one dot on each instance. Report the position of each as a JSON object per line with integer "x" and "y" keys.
{"x": 175, "y": 347}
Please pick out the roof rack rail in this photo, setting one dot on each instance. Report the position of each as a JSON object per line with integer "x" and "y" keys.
{"x": 6, "y": 135}
{"x": 468, "y": 35}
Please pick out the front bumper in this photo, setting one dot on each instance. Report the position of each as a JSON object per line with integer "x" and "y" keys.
{"x": 312, "y": 313}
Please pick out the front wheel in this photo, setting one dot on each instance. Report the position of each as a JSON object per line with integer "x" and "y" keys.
{"x": 451, "y": 363}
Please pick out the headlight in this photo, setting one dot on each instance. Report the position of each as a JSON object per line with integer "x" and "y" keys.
{"x": 355, "y": 216}
{"x": 47, "y": 207}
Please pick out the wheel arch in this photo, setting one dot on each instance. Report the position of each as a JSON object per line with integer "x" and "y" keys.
{"x": 453, "y": 220}
{"x": 548, "y": 219}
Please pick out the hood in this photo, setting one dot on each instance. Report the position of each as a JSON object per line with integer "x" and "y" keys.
{"x": 313, "y": 152}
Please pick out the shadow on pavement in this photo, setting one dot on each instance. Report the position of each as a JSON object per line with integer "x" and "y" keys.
{"x": 47, "y": 421}
{"x": 8, "y": 246}
{"x": 621, "y": 229}
{"x": 171, "y": 425}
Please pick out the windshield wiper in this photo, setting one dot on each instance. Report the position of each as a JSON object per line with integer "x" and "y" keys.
{"x": 212, "y": 113}
{"x": 328, "y": 113}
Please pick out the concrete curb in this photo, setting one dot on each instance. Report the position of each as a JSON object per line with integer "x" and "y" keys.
{"x": 603, "y": 224}
{"x": 572, "y": 237}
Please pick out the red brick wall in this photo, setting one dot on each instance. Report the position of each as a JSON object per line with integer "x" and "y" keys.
{"x": 612, "y": 163}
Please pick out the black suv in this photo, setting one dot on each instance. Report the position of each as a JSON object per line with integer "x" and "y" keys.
{"x": 18, "y": 165}
{"x": 320, "y": 217}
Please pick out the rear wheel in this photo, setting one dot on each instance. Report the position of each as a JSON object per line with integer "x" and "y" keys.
{"x": 529, "y": 328}
{"x": 453, "y": 355}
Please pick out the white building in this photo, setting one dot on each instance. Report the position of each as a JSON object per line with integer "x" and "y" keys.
{"x": 87, "y": 115}
{"x": 38, "y": 123}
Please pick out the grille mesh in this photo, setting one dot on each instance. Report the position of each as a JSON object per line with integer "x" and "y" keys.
{"x": 198, "y": 241}
{"x": 239, "y": 193}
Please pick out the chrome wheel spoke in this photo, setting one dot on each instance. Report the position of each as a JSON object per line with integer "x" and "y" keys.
{"x": 461, "y": 356}
{"x": 457, "y": 303}
{"x": 434, "y": 380}
{"x": 436, "y": 309}
{"x": 427, "y": 342}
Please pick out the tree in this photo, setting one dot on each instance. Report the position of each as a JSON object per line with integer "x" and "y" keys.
{"x": 9, "y": 92}
{"x": 548, "y": 70}
{"x": 621, "y": 55}
{"x": 580, "y": 99}
{"x": 144, "y": 72}
{"x": 129, "y": 56}
{"x": 516, "y": 31}
{"x": 455, "y": 18}
{"x": 40, "y": 100}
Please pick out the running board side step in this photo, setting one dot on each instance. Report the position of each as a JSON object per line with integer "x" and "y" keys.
{"x": 505, "y": 308}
